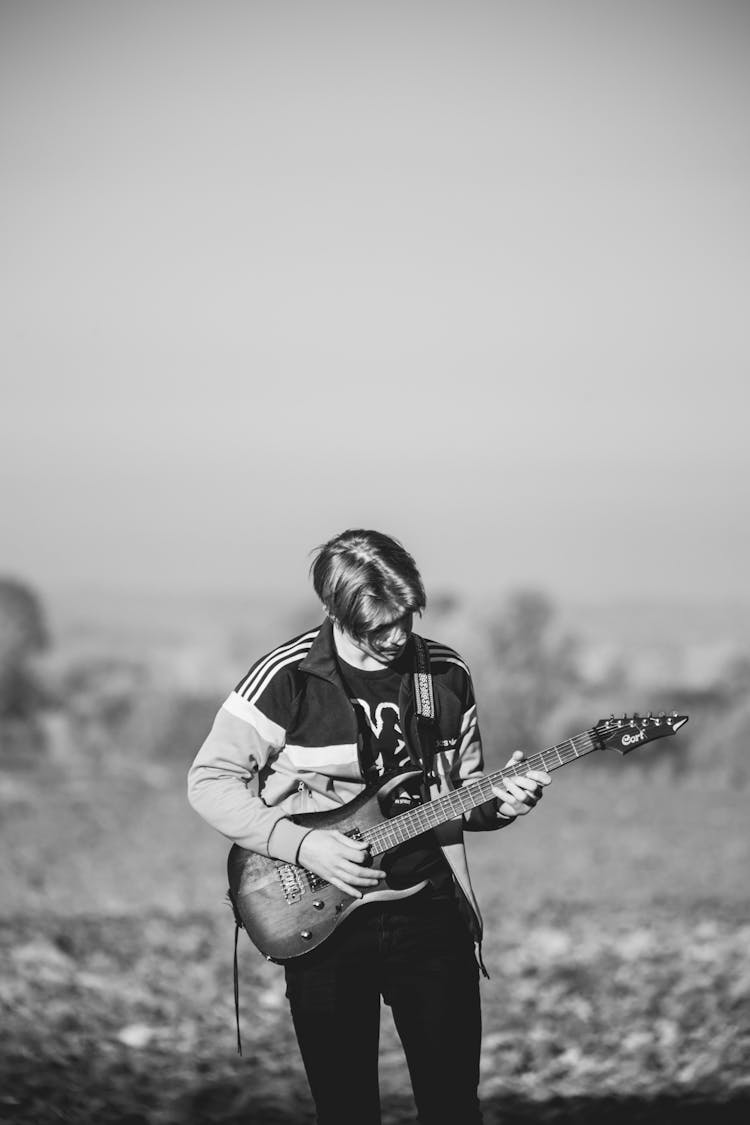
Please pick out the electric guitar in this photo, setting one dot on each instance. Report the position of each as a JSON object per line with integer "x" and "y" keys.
{"x": 287, "y": 910}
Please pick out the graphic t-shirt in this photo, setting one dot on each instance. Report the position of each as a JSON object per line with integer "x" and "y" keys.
{"x": 374, "y": 696}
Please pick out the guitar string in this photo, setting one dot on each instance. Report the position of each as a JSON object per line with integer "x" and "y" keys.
{"x": 414, "y": 821}
{"x": 383, "y": 832}
{"x": 399, "y": 829}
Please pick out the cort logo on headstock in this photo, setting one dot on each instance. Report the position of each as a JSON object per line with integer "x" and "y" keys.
{"x": 626, "y": 734}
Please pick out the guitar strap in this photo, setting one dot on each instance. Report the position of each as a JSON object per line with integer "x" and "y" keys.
{"x": 424, "y": 695}
{"x": 424, "y": 706}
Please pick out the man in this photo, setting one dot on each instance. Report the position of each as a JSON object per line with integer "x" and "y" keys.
{"x": 317, "y": 719}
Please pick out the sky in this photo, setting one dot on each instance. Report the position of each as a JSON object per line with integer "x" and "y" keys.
{"x": 474, "y": 274}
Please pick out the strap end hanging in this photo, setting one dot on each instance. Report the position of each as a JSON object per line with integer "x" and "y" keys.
{"x": 237, "y": 992}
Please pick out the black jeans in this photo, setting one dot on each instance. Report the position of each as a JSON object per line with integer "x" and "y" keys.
{"x": 418, "y": 954}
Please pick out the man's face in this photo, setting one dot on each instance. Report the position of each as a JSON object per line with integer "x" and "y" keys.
{"x": 386, "y": 643}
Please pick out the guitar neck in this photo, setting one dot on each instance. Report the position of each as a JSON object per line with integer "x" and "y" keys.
{"x": 453, "y": 805}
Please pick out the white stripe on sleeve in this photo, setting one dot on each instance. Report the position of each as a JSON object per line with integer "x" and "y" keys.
{"x": 469, "y": 718}
{"x": 318, "y": 757}
{"x": 268, "y": 730}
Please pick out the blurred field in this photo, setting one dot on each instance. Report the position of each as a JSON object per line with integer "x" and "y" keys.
{"x": 127, "y": 841}
{"x": 617, "y": 942}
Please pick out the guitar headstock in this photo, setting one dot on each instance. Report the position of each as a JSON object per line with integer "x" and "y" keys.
{"x": 631, "y": 731}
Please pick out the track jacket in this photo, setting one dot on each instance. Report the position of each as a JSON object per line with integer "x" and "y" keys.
{"x": 286, "y": 741}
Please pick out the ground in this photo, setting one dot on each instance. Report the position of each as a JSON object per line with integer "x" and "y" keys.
{"x": 618, "y": 942}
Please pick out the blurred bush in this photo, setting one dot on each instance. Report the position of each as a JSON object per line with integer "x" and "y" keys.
{"x": 529, "y": 670}
{"x": 23, "y": 635}
{"x": 720, "y": 749}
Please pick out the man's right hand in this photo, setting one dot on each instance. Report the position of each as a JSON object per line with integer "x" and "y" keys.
{"x": 339, "y": 859}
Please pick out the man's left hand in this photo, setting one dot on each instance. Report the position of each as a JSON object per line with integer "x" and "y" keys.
{"x": 518, "y": 795}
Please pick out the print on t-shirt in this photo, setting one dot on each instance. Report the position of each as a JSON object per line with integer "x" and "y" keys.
{"x": 374, "y": 696}
{"x": 383, "y": 745}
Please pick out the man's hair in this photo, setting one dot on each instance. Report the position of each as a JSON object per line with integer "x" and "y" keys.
{"x": 366, "y": 579}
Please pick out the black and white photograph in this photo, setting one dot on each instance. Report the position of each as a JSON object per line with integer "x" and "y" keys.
{"x": 374, "y": 604}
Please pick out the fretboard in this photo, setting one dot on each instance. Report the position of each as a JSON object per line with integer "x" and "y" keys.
{"x": 407, "y": 825}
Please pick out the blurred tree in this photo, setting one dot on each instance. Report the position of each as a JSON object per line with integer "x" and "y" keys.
{"x": 735, "y": 679}
{"x": 23, "y": 634}
{"x": 442, "y": 603}
{"x": 532, "y": 669}
{"x": 720, "y": 751}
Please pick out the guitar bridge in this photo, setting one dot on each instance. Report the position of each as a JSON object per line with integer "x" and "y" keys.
{"x": 292, "y": 885}
{"x": 296, "y": 880}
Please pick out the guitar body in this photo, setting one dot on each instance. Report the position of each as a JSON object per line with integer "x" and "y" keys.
{"x": 287, "y": 910}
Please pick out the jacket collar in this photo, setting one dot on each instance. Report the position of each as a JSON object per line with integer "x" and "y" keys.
{"x": 321, "y": 659}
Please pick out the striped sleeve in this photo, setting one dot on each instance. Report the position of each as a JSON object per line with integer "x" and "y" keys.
{"x": 264, "y": 685}
{"x": 248, "y": 732}
{"x": 468, "y": 763}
